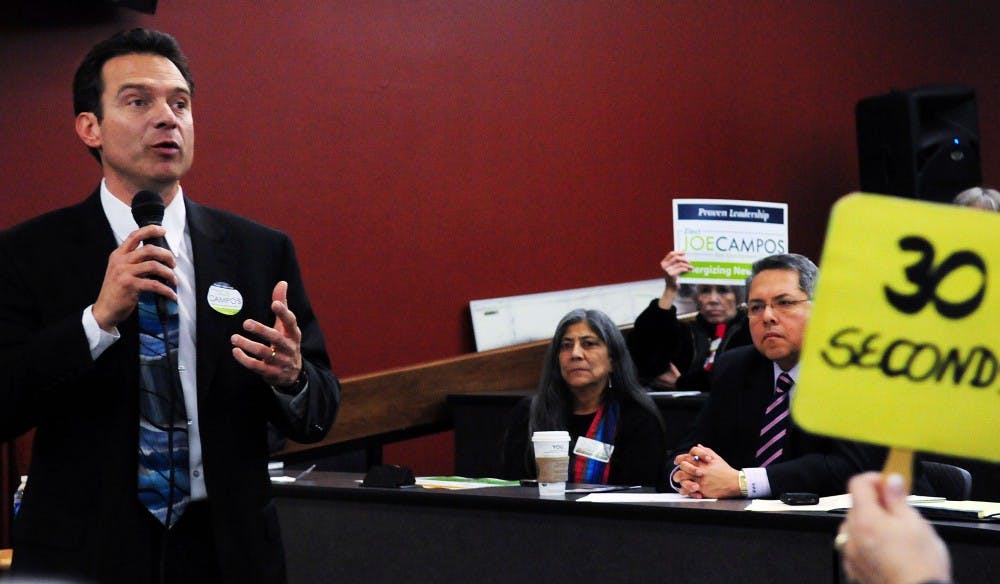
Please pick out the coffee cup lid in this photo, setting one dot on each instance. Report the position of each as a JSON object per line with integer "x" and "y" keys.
{"x": 550, "y": 436}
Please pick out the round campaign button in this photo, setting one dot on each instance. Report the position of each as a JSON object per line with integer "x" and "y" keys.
{"x": 223, "y": 298}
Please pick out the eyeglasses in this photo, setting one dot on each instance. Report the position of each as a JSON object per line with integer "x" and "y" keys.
{"x": 781, "y": 307}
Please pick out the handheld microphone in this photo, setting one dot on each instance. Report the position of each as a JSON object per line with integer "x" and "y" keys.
{"x": 147, "y": 209}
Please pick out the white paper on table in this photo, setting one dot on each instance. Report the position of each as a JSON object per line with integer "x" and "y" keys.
{"x": 984, "y": 509}
{"x": 641, "y": 498}
{"x": 825, "y": 503}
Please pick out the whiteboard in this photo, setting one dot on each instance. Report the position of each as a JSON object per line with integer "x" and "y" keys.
{"x": 501, "y": 322}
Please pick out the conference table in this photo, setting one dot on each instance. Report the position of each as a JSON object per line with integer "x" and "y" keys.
{"x": 480, "y": 420}
{"x": 335, "y": 530}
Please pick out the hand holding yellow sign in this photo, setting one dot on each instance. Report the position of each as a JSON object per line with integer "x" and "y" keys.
{"x": 903, "y": 345}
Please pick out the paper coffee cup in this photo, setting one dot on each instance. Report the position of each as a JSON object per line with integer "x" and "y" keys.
{"x": 552, "y": 461}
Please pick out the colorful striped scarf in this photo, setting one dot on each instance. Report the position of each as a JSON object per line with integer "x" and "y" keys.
{"x": 602, "y": 429}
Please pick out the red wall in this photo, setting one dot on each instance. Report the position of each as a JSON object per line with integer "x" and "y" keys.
{"x": 423, "y": 154}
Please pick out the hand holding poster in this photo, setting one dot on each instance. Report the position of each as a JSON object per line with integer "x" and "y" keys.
{"x": 722, "y": 238}
{"x": 902, "y": 345}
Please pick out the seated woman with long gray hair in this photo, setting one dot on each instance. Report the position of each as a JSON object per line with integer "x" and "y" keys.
{"x": 589, "y": 388}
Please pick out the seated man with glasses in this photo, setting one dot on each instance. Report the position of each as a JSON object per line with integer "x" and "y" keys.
{"x": 672, "y": 354}
{"x": 744, "y": 444}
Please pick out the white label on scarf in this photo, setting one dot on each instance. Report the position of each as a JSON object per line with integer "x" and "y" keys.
{"x": 590, "y": 448}
{"x": 711, "y": 353}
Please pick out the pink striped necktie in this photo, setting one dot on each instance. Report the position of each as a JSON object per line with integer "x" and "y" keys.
{"x": 772, "y": 433}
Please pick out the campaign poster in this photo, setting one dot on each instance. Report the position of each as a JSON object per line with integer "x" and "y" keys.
{"x": 723, "y": 238}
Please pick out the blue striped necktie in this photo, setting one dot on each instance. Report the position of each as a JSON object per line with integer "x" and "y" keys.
{"x": 164, "y": 484}
{"x": 772, "y": 433}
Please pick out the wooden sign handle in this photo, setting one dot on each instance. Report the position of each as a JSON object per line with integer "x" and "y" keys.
{"x": 900, "y": 461}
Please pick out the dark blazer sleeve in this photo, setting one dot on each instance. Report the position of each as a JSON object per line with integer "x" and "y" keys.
{"x": 44, "y": 351}
{"x": 31, "y": 377}
{"x": 822, "y": 465}
{"x": 306, "y": 416}
{"x": 654, "y": 339}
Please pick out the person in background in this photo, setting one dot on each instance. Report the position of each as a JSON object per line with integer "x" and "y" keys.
{"x": 589, "y": 388}
{"x": 885, "y": 541}
{"x": 149, "y": 373}
{"x": 671, "y": 354}
{"x": 979, "y": 198}
{"x": 744, "y": 443}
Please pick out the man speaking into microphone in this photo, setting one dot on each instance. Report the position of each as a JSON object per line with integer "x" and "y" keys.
{"x": 150, "y": 371}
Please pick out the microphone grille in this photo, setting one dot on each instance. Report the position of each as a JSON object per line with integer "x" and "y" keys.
{"x": 147, "y": 208}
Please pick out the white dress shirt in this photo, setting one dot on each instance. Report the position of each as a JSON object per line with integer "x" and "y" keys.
{"x": 757, "y": 484}
{"x": 179, "y": 239}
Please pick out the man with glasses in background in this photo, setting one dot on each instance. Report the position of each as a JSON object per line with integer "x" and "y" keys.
{"x": 744, "y": 443}
{"x": 674, "y": 354}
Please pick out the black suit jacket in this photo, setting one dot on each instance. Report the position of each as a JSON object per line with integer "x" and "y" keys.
{"x": 730, "y": 423}
{"x": 79, "y": 514}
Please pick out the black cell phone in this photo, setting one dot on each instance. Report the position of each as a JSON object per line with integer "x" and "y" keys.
{"x": 799, "y": 498}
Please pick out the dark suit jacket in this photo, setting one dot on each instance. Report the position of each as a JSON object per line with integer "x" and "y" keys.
{"x": 730, "y": 422}
{"x": 79, "y": 513}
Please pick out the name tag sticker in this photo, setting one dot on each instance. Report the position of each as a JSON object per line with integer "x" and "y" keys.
{"x": 590, "y": 448}
{"x": 224, "y": 299}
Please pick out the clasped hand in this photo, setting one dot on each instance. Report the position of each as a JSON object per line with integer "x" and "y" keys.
{"x": 705, "y": 474}
{"x": 133, "y": 269}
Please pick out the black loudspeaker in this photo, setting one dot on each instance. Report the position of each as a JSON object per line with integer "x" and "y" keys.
{"x": 921, "y": 143}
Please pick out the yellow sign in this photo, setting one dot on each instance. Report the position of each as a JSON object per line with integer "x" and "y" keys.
{"x": 903, "y": 344}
